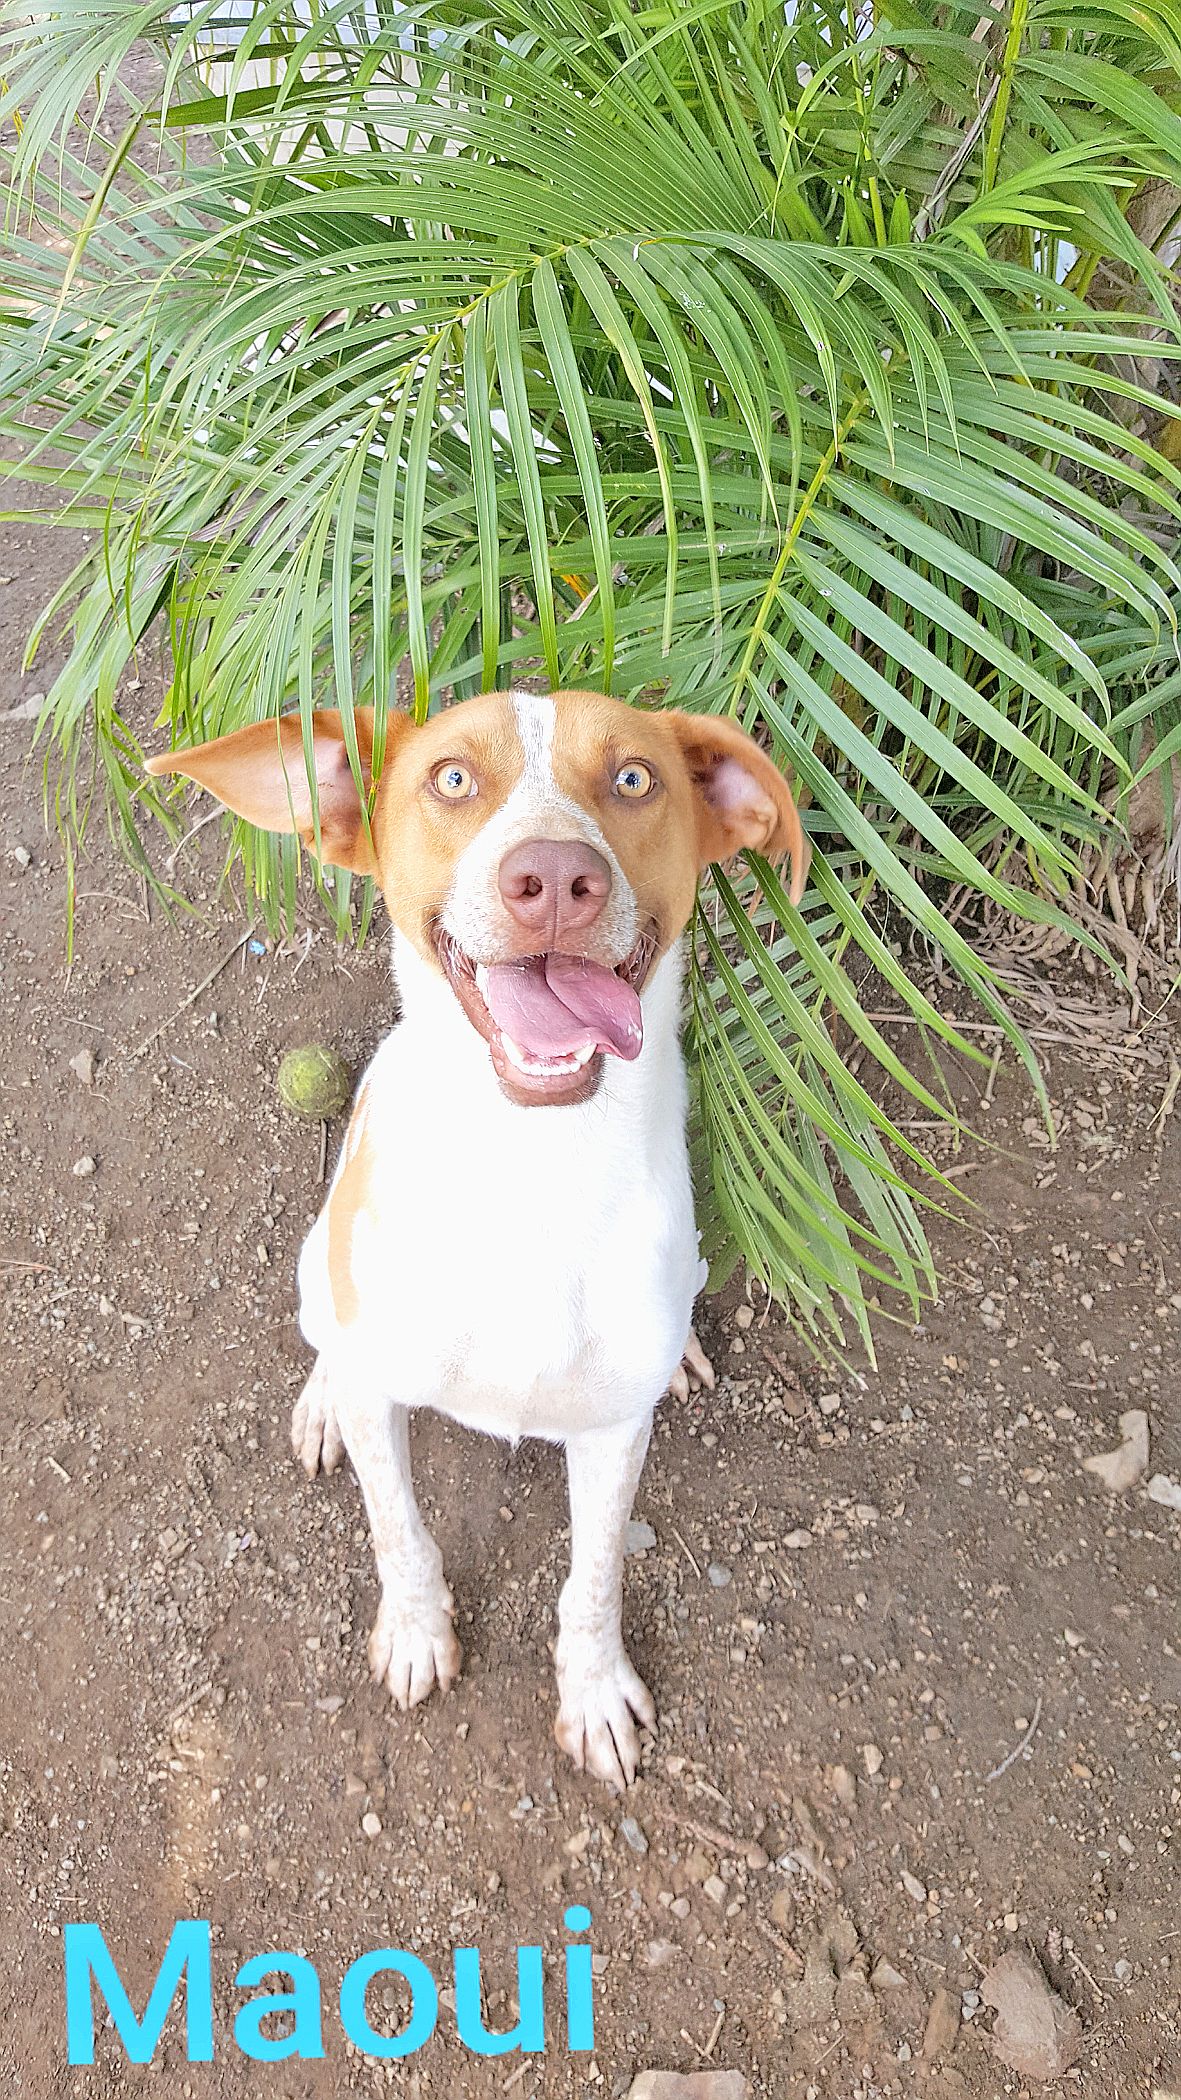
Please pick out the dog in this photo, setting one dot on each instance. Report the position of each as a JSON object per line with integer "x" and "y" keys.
{"x": 509, "y": 1237}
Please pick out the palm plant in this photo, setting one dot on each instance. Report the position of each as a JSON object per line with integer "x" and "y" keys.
{"x": 725, "y": 355}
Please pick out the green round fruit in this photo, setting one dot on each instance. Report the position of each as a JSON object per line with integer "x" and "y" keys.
{"x": 314, "y": 1082}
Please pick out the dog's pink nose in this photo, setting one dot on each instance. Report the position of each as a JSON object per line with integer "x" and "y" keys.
{"x": 554, "y": 887}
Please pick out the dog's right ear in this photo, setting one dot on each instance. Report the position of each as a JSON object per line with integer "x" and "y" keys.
{"x": 741, "y": 797}
{"x": 260, "y": 772}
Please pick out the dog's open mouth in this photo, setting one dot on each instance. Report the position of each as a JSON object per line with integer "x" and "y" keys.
{"x": 549, "y": 1020}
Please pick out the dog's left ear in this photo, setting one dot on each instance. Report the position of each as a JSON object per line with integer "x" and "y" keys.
{"x": 260, "y": 772}
{"x": 741, "y": 796}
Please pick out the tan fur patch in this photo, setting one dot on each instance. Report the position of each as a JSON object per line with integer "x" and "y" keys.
{"x": 418, "y": 837}
{"x": 350, "y": 1196}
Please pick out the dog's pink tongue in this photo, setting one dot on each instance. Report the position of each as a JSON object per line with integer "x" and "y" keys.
{"x": 604, "y": 1002}
{"x": 556, "y": 1003}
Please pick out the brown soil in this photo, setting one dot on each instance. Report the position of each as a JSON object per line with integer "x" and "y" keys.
{"x": 917, "y": 1563}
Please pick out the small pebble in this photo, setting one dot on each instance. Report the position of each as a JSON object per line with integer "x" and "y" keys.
{"x": 371, "y": 1823}
{"x": 659, "y": 1952}
{"x": 913, "y": 1886}
{"x": 82, "y": 1167}
{"x": 720, "y": 1577}
{"x": 632, "y": 1835}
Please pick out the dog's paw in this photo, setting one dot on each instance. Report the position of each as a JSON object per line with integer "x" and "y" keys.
{"x": 694, "y": 1370}
{"x": 315, "y": 1432}
{"x": 413, "y": 1649}
{"x": 601, "y": 1702}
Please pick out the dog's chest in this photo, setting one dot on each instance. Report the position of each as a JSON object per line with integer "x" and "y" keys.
{"x": 528, "y": 1272}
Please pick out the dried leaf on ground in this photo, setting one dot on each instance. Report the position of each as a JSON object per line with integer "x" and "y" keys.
{"x": 1126, "y": 1466}
{"x": 1036, "y": 2032}
{"x": 943, "y": 2026}
{"x": 844, "y": 1786}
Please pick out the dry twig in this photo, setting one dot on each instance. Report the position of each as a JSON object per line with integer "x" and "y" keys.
{"x": 196, "y": 992}
{"x": 998, "y": 1771}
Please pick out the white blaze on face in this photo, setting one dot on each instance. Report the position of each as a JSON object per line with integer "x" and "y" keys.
{"x": 475, "y": 914}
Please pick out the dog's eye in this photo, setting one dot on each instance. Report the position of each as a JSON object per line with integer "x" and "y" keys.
{"x": 453, "y": 781}
{"x": 634, "y": 780}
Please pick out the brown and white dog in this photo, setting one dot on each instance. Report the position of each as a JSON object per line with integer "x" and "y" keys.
{"x": 509, "y": 1236}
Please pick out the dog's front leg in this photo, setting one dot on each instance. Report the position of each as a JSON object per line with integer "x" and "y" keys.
{"x": 413, "y": 1646}
{"x": 601, "y": 1696}
{"x": 315, "y": 1432}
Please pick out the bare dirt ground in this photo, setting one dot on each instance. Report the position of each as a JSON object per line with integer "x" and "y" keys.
{"x": 863, "y": 1589}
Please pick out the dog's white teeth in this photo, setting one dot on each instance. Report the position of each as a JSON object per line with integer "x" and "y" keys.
{"x": 482, "y": 980}
{"x": 514, "y": 1053}
{"x": 546, "y": 1067}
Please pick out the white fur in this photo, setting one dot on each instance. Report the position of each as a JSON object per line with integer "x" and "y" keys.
{"x": 528, "y": 1271}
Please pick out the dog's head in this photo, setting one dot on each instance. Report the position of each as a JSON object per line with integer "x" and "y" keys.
{"x": 542, "y": 853}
